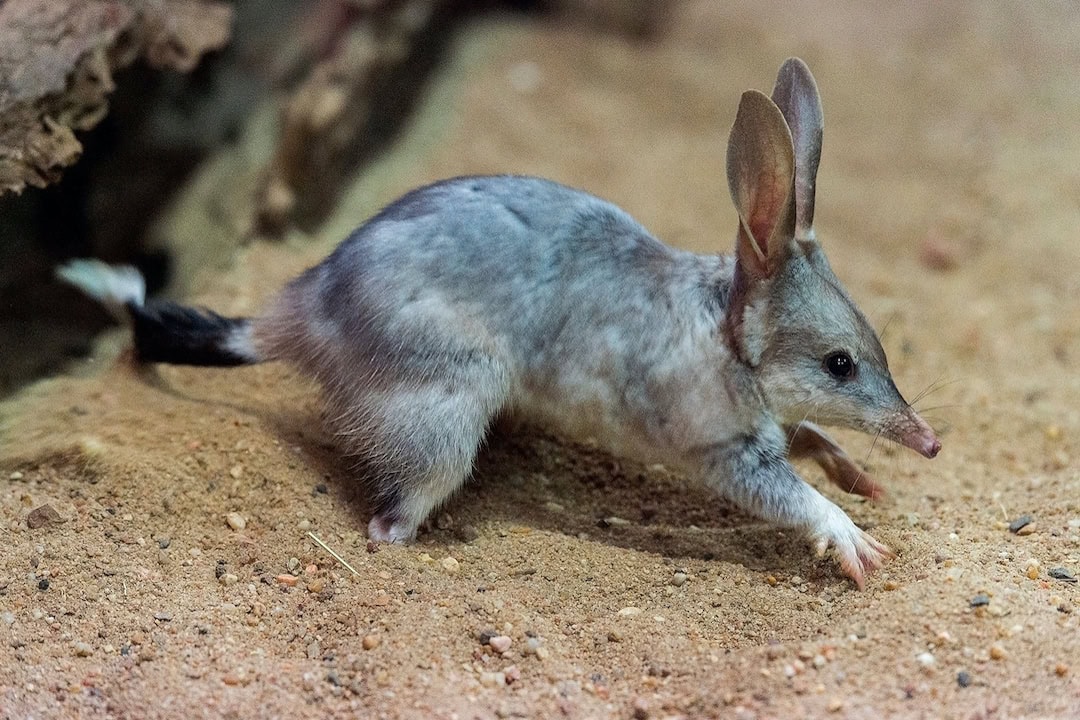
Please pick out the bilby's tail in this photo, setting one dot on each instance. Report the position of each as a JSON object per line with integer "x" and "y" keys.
{"x": 164, "y": 331}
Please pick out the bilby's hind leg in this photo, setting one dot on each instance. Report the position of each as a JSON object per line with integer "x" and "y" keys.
{"x": 420, "y": 440}
{"x": 807, "y": 440}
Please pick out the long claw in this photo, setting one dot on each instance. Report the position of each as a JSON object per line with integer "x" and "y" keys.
{"x": 858, "y": 556}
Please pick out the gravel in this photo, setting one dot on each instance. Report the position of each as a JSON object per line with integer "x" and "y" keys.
{"x": 1020, "y": 523}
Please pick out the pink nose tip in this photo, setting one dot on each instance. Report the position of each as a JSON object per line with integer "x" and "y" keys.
{"x": 932, "y": 448}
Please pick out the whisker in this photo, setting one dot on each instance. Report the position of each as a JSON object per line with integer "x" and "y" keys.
{"x": 885, "y": 328}
{"x": 791, "y": 439}
{"x": 877, "y": 436}
{"x": 932, "y": 408}
{"x": 933, "y": 388}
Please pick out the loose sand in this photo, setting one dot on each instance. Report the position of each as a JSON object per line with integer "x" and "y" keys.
{"x": 948, "y": 203}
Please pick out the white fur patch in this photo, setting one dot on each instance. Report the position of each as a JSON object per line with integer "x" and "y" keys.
{"x": 113, "y": 287}
{"x": 753, "y": 330}
{"x": 241, "y": 343}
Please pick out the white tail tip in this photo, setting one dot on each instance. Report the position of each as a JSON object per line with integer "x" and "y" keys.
{"x": 113, "y": 287}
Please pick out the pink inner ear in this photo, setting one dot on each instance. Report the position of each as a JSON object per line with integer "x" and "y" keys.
{"x": 768, "y": 206}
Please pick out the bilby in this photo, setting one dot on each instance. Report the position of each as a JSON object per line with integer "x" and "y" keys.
{"x": 481, "y": 296}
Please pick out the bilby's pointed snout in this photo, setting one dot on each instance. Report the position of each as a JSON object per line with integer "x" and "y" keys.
{"x": 910, "y": 430}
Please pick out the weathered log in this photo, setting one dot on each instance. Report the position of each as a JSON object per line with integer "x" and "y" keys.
{"x": 57, "y": 62}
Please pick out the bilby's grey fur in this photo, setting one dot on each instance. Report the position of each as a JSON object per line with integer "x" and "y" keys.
{"x": 486, "y": 295}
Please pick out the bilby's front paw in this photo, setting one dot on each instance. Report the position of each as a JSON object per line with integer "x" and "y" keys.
{"x": 384, "y": 529}
{"x": 858, "y": 552}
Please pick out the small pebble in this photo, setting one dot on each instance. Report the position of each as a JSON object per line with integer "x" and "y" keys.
{"x": 7, "y": 617}
{"x": 1033, "y": 572}
{"x": 236, "y": 521}
{"x": 370, "y": 642}
{"x": 15, "y": 476}
{"x": 450, "y": 564}
{"x": 891, "y": 585}
{"x": 641, "y": 708}
{"x": 533, "y": 646}
{"x": 1020, "y": 523}
{"x": 630, "y": 611}
{"x": 228, "y": 579}
{"x": 492, "y": 679}
{"x": 1061, "y": 669}
{"x": 42, "y": 516}
{"x": 164, "y": 543}
{"x": 322, "y": 489}
{"x": 500, "y": 643}
{"x": 836, "y": 705}
{"x": 304, "y": 525}
{"x": 1060, "y": 573}
{"x": 997, "y": 652}
{"x": 925, "y": 659}
{"x": 678, "y": 579}
{"x": 963, "y": 678}
{"x": 980, "y": 600}
{"x": 1028, "y": 529}
{"x": 316, "y": 586}
{"x": 43, "y": 584}
{"x": 293, "y": 566}
{"x": 83, "y": 649}
{"x": 512, "y": 673}
{"x": 286, "y": 579}
{"x": 939, "y": 253}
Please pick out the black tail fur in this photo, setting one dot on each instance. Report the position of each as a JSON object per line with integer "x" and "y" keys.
{"x": 167, "y": 332}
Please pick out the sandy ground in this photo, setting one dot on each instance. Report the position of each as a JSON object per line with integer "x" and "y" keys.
{"x": 948, "y": 203}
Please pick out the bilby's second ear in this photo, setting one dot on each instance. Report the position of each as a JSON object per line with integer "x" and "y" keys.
{"x": 760, "y": 170}
{"x": 796, "y": 94}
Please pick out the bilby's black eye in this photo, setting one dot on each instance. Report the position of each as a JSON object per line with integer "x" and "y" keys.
{"x": 840, "y": 365}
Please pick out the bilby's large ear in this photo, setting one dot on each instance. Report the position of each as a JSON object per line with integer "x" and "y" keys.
{"x": 796, "y": 95}
{"x": 760, "y": 169}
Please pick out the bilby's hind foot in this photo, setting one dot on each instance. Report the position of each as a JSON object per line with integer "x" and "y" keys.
{"x": 384, "y": 529}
